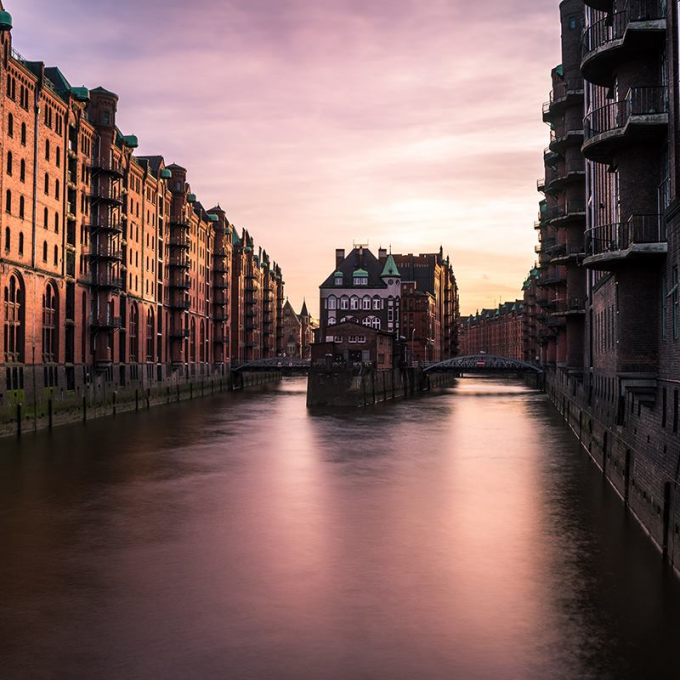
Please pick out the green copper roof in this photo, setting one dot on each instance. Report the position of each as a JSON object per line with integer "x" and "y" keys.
{"x": 360, "y": 272}
{"x": 559, "y": 69}
{"x": 166, "y": 174}
{"x": 82, "y": 94}
{"x": 214, "y": 218}
{"x": 390, "y": 268}
{"x": 191, "y": 198}
{"x": 131, "y": 140}
{"x": 5, "y": 21}
{"x": 248, "y": 249}
{"x": 338, "y": 275}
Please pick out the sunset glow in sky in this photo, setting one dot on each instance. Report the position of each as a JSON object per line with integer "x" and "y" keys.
{"x": 314, "y": 123}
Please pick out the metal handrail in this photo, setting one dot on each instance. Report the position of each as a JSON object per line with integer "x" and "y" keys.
{"x": 639, "y": 229}
{"x": 613, "y": 27}
{"x": 639, "y": 101}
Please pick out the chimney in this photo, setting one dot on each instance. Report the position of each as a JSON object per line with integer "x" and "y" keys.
{"x": 382, "y": 254}
{"x": 339, "y": 256}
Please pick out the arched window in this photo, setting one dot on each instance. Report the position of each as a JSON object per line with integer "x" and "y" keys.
{"x": 344, "y": 302}
{"x": 50, "y": 325}
{"x": 332, "y": 302}
{"x": 193, "y": 340}
{"x": 150, "y": 336}
{"x": 366, "y": 303}
{"x": 44, "y": 251}
{"x": 8, "y": 238}
{"x": 56, "y": 255}
{"x": 202, "y": 341}
{"x": 9, "y": 162}
{"x": 132, "y": 332}
{"x": 377, "y": 303}
{"x": 332, "y": 321}
{"x": 47, "y": 149}
{"x": 46, "y": 218}
{"x": 22, "y": 207}
{"x": 21, "y": 243}
{"x": 22, "y": 170}
{"x": 354, "y": 302}
{"x": 56, "y": 222}
{"x": 56, "y": 188}
{"x": 372, "y": 321}
{"x": 10, "y": 125}
{"x": 14, "y": 321}
{"x": 23, "y": 134}
{"x": 47, "y": 183}
{"x": 58, "y": 157}
{"x": 8, "y": 202}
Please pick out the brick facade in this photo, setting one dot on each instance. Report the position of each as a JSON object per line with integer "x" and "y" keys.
{"x": 113, "y": 274}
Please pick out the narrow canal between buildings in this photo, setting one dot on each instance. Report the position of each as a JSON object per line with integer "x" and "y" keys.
{"x": 463, "y": 536}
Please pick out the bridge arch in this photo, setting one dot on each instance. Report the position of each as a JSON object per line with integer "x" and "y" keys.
{"x": 480, "y": 363}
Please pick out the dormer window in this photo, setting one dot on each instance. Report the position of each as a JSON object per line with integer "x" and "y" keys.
{"x": 338, "y": 279}
{"x": 360, "y": 278}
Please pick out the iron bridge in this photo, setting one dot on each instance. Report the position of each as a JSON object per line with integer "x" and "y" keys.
{"x": 283, "y": 364}
{"x": 483, "y": 363}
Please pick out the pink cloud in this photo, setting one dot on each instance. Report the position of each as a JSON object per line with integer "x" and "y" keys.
{"x": 314, "y": 124}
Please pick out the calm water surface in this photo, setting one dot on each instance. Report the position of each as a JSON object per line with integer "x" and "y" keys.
{"x": 461, "y": 537}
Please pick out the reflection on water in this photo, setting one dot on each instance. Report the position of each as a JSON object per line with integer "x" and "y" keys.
{"x": 460, "y": 536}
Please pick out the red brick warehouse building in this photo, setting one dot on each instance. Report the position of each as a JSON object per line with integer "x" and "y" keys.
{"x": 495, "y": 331}
{"x": 113, "y": 274}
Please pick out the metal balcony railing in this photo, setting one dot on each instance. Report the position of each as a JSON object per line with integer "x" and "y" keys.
{"x": 104, "y": 320}
{"x": 571, "y": 305}
{"x": 108, "y": 165}
{"x": 568, "y": 209}
{"x": 105, "y": 279}
{"x": 638, "y": 230}
{"x": 105, "y": 251}
{"x": 613, "y": 27}
{"x": 639, "y": 101}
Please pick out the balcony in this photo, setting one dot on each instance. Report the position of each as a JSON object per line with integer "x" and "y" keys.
{"x": 220, "y": 267}
{"x": 179, "y": 333}
{"x": 108, "y": 166}
{"x": 180, "y": 240}
{"x": 181, "y": 222}
{"x": 105, "y": 251}
{"x": 570, "y": 307}
{"x": 106, "y": 195}
{"x": 106, "y": 279}
{"x": 566, "y": 94}
{"x": 179, "y": 261}
{"x": 641, "y": 238}
{"x": 551, "y": 280}
{"x": 220, "y": 284}
{"x": 561, "y": 140}
{"x": 570, "y": 171}
{"x": 180, "y": 283}
{"x": 638, "y": 119}
{"x": 566, "y": 253}
{"x": 178, "y": 303}
{"x": 640, "y": 27}
{"x": 104, "y": 321}
{"x": 570, "y": 211}
{"x": 113, "y": 227}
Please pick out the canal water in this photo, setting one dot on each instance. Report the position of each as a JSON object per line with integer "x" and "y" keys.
{"x": 463, "y": 536}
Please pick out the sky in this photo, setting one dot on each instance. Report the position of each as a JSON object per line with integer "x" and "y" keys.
{"x": 320, "y": 123}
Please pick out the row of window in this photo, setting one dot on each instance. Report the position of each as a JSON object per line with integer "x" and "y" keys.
{"x": 371, "y": 321}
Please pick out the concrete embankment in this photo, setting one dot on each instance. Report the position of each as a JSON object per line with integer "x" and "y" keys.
{"x": 356, "y": 388}
{"x": 25, "y": 413}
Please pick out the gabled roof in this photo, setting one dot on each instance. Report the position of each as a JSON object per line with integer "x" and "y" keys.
{"x": 358, "y": 260}
{"x": 303, "y": 311}
{"x": 390, "y": 268}
{"x": 103, "y": 90}
{"x": 154, "y": 162}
